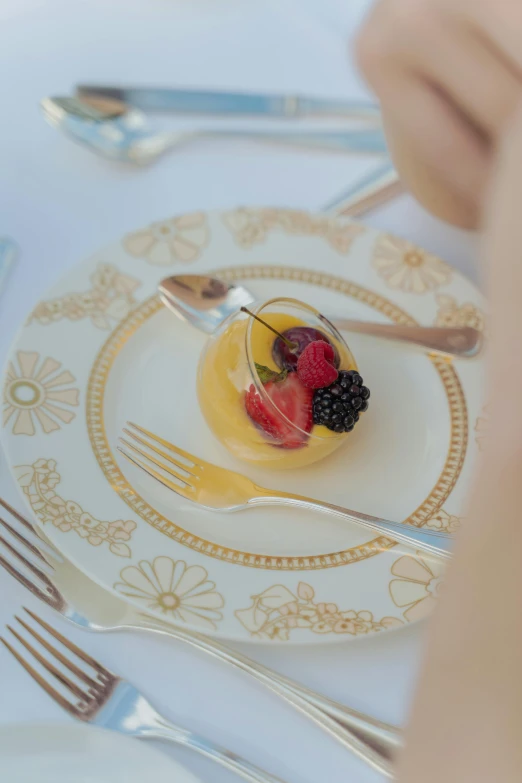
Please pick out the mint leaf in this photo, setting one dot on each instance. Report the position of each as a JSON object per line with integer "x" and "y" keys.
{"x": 266, "y": 374}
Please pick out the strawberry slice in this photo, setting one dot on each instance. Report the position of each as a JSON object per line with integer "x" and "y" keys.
{"x": 291, "y": 398}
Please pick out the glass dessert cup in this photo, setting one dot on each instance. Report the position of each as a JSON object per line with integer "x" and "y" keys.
{"x": 262, "y": 423}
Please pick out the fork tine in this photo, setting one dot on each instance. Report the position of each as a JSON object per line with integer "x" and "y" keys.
{"x": 159, "y": 452}
{"x": 25, "y": 522}
{"x": 179, "y": 490}
{"x": 70, "y": 646}
{"x": 174, "y": 473}
{"x": 19, "y": 537}
{"x": 27, "y": 563}
{"x": 34, "y": 589}
{"x": 54, "y": 694}
{"x": 29, "y": 526}
{"x": 58, "y": 655}
{"x": 185, "y": 454}
{"x": 65, "y": 681}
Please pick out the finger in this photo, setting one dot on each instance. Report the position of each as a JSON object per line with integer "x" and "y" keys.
{"x": 465, "y": 70}
{"x": 498, "y": 24}
{"x": 492, "y": 29}
{"x": 502, "y": 249}
{"x": 425, "y": 183}
{"x": 437, "y": 134}
{"x": 429, "y": 136}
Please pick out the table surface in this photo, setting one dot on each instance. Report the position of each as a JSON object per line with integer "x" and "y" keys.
{"x": 60, "y": 203}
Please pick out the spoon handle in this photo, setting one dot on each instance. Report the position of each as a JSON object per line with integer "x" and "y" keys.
{"x": 463, "y": 342}
{"x": 354, "y": 141}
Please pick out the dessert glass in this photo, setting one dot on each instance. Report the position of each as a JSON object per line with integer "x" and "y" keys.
{"x": 227, "y": 371}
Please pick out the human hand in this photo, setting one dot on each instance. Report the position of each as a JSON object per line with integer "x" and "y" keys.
{"x": 466, "y": 719}
{"x": 448, "y": 74}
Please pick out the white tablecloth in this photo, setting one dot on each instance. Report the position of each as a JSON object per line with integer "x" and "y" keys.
{"x": 60, "y": 203}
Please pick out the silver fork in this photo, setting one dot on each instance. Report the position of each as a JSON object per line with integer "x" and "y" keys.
{"x": 59, "y": 584}
{"x": 112, "y": 702}
{"x": 219, "y": 489}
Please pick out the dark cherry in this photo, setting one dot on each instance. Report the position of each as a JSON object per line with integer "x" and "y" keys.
{"x": 286, "y": 357}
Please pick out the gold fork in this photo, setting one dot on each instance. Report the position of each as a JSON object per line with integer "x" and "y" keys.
{"x": 219, "y": 489}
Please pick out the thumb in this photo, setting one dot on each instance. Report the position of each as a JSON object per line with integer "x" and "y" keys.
{"x": 502, "y": 251}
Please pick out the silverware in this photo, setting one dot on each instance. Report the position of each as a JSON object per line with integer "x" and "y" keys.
{"x": 39, "y": 567}
{"x": 8, "y": 257}
{"x": 205, "y": 302}
{"x": 187, "y": 101}
{"x": 130, "y": 137}
{"x": 100, "y": 697}
{"x": 204, "y": 483}
{"x": 370, "y": 191}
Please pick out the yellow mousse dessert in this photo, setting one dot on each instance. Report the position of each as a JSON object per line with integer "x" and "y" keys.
{"x": 267, "y": 387}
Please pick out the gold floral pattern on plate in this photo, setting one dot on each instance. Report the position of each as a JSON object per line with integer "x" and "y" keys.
{"x": 444, "y": 522}
{"x": 417, "y": 585}
{"x": 252, "y": 226}
{"x": 178, "y": 239}
{"x": 451, "y": 314}
{"x": 277, "y": 612}
{"x": 182, "y": 592}
{"x": 38, "y": 482}
{"x": 406, "y": 267}
{"x": 110, "y": 298}
{"x": 35, "y": 389}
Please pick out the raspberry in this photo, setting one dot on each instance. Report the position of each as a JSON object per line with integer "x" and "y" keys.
{"x": 286, "y": 356}
{"x": 315, "y": 366}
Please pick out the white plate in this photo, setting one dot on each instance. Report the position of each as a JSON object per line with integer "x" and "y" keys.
{"x": 83, "y": 754}
{"x": 100, "y": 349}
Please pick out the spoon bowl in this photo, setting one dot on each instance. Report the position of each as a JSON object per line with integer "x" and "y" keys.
{"x": 119, "y": 133}
{"x": 203, "y": 301}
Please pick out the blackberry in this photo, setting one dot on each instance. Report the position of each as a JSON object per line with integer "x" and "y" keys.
{"x": 338, "y": 406}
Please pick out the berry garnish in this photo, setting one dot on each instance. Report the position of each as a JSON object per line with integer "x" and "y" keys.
{"x": 315, "y": 366}
{"x": 338, "y": 406}
{"x": 286, "y": 356}
{"x": 291, "y": 399}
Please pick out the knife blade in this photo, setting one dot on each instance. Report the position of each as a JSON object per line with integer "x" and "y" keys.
{"x": 187, "y": 101}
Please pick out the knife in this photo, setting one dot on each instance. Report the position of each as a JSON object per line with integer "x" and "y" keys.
{"x": 231, "y": 103}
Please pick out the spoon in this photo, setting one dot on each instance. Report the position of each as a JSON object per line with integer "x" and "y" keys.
{"x": 205, "y": 302}
{"x": 117, "y": 131}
